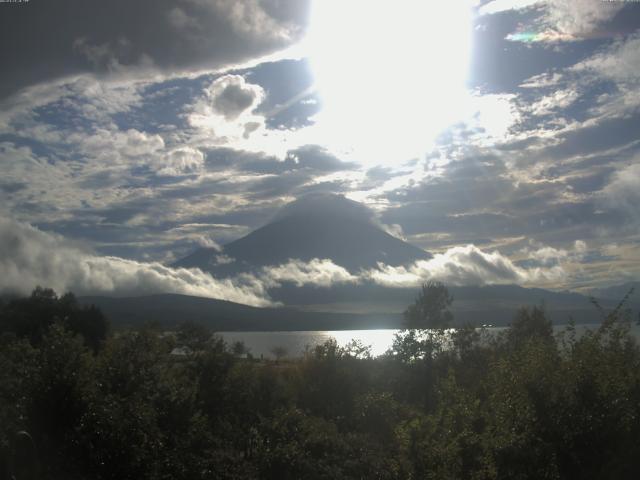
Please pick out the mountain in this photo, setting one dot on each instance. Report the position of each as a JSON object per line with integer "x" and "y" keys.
{"x": 319, "y": 226}
{"x": 333, "y": 227}
{"x": 618, "y": 292}
{"x": 493, "y": 305}
{"x": 169, "y": 310}
{"x": 490, "y": 304}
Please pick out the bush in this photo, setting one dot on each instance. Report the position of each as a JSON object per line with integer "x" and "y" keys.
{"x": 443, "y": 404}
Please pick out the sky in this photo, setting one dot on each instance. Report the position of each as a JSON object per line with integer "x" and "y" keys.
{"x": 502, "y": 136}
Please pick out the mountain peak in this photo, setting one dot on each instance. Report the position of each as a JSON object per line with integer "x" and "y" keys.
{"x": 316, "y": 226}
{"x": 326, "y": 205}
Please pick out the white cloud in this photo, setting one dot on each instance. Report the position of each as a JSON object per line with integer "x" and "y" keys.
{"x": 546, "y": 255}
{"x": 182, "y": 160}
{"x": 323, "y": 273}
{"x": 580, "y": 17}
{"x": 206, "y": 241}
{"x": 31, "y": 257}
{"x": 395, "y": 230}
{"x": 463, "y": 265}
{"x": 605, "y": 86}
{"x": 224, "y": 114}
{"x": 558, "y": 100}
{"x": 133, "y": 143}
{"x": 561, "y": 20}
{"x": 619, "y": 62}
{"x": 542, "y": 80}
{"x": 49, "y": 184}
{"x": 623, "y": 190}
{"x": 109, "y": 148}
{"x": 467, "y": 265}
{"x": 497, "y": 6}
{"x": 232, "y": 96}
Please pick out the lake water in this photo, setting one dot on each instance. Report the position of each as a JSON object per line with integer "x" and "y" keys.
{"x": 295, "y": 343}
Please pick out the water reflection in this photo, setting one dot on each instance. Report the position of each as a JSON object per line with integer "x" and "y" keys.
{"x": 295, "y": 343}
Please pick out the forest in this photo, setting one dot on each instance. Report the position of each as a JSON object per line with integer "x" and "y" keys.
{"x": 81, "y": 401}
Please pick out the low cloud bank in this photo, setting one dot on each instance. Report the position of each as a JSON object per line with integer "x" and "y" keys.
{"x": 31, "y": 257}
{"x": 465, "y": 265}
{"x": 321, "y": 273}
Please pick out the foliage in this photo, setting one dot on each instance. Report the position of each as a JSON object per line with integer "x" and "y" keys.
{"x": 431, "y": 308}
{"x": 32, "y": 317}
{"x": 442, "y": 404}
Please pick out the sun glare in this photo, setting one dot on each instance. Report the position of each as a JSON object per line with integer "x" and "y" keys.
{"x": 391, "y": 74}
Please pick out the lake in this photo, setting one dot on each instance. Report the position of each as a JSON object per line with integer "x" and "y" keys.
{"x": 295, "y": 343}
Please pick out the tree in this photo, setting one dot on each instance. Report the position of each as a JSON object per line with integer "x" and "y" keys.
{"x": 193, "y": 335}
{"x": 431, "y": 308}
{"x": 530, "y": 323}
{"x": 279, "y": 352}
{"x": 32, "y": 317}
{"x": 239, "y": 349}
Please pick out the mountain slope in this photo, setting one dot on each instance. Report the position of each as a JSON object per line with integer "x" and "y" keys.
{"x": 169, "y": 310}
{"x": 351, "y": 241}
{"x": 495, "y": 305}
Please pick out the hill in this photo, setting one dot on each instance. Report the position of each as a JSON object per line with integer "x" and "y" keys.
{"x": 490, "y": 305}
{"x": 321, "y": 226}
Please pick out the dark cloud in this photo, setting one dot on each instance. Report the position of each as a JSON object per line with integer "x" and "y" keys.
{"x": 316, "y": 158}
{"x": 478, "y": 198}
{"x": 41, "y": 40}
{"x": 498, "y": 65}
{"x": 473, "y": 181}
{"x": 309, "y": 159}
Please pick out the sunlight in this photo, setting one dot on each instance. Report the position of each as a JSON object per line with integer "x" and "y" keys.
{"x": 391, "y": 75}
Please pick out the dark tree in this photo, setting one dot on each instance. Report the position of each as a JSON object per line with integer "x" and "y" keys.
{"x": 431, "y": 308}
{"x": 530, "y": 323}
{"x": 32, "y": 317}
{"x": 193, "y": 335}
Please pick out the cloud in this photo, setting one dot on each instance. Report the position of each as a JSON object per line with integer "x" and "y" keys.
{"x": 316, "y": 157}
{"x": 559, "y": 20}
{"x": 601, "y": 88}
{"x": 231, "y": 96}
{"x": 547, "y": 256}
{"x": 623, "y": 190}
{"x": 580, "y": 17}
{"x": 618, "y": 62}
{"x": 459, "y": 266}
{"x": 321, "y": 273}
{"x": 224, "y": 114}
{"x": 498, "y": 6}
{"x": 557, "y": 101}
{"x": 31, "y": 257}
{"x": 112, "y": 158}
{"x": 464, "y": 265}
{"x": 79, "y": 36}
{"x": 109, "y": 56}
{"x": 182, "y": 160}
